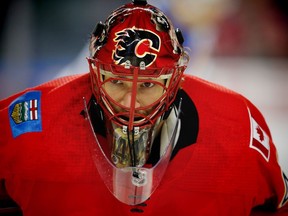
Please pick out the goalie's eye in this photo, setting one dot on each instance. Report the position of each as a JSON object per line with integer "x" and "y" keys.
{"x": 147, "y": 84}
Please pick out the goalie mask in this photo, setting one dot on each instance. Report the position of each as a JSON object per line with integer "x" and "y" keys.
{"x": 136, "y": 65}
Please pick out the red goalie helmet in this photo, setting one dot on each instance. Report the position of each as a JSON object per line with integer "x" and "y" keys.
{"x": 137, "y": 42}
{"x": 136, "y": 64}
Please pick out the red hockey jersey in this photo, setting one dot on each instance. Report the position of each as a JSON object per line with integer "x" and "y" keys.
{"x": 230, "y": 169}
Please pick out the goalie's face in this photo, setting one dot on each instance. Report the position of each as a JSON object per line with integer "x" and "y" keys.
{"x": 124, "y": 95}
{"x": 131, "y": 96}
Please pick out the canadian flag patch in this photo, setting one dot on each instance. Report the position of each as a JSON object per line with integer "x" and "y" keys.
{"x": 260, "y": 140}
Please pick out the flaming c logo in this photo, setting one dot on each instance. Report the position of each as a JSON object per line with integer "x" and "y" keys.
{"x": 136, "y": 45}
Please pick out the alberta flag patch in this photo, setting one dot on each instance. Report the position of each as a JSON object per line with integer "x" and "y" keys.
{"x": 25, "y": 113}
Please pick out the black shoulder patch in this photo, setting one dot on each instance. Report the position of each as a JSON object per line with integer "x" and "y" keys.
{"x": 285, "y": 198}
{"x": 189, "y": 122}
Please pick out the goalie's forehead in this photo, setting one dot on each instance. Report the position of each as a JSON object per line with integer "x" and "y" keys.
{"x": 139, "y": 34}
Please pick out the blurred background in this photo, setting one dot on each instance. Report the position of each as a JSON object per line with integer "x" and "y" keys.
{"x": 241, "y": 44}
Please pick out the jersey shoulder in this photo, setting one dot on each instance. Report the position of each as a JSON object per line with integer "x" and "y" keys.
{"x": 220, "y": 107}
{"x": 44, "y": 119}
{"x": 230, "y": 122}
{"x": 24, "y": 111}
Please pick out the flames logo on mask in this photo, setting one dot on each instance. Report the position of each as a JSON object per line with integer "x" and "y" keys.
{"x": 136, "y": 45}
